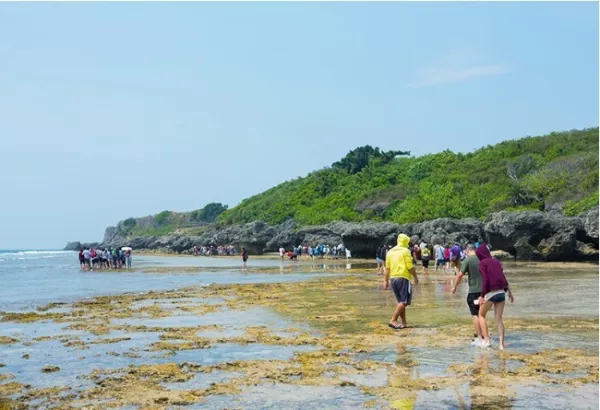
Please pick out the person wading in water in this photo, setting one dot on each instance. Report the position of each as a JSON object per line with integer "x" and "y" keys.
{"x": 493, "y": 288}
{"x": 399, "y": 267}
{"x": 244, "y": 259}
{"x": 470, "y": 266}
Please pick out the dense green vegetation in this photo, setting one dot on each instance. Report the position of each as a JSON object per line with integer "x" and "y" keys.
{"x": 559, "y": 169}
{"x": 209, "y": 213}
{"x": 167, "y": 221}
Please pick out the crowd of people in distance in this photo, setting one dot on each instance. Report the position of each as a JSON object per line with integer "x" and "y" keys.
{"x": 487, "y": 283}
{"x": 446, "y": 257}
{"x": 228, "y": 250}
{"x": 321, "y": 251}
{"x": 107, "y": 258}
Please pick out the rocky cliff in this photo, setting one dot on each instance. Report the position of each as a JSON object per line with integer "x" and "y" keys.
{"x": 528, "y": 235}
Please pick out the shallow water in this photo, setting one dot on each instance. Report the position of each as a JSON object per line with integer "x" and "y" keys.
{"x": 546, "y": 295}
{"x": 33, "y": 280}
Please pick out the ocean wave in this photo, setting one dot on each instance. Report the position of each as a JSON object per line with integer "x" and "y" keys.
{"x": 25, "y": 253}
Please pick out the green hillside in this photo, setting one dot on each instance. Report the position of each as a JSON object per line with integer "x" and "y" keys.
{"x": 559, "y": 169}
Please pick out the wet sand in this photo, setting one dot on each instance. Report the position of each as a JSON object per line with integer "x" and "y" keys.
{"x": 318, "y": 343}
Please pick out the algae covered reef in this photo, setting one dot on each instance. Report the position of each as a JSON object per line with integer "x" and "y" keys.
{"x": 321, "y": 343}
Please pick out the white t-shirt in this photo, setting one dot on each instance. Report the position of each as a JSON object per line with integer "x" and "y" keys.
{"x": 86, "y": 254}
{"x": 281, "y": 251}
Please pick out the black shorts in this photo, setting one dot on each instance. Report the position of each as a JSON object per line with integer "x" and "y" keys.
{"x": 471, "y": 298}
{"x": 425, "y": 263}
{"x": 244, "y": 259}
{"x": 402, "y": 290}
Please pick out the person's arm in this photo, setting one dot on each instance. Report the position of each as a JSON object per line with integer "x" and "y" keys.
{"x": 458, "y": 279}
{"x": 510, "y": 295}
{"x": 463, "y": 270}
{"x": 413, "y": 272}
{"x": 484, "y": 282}
{"x": 386, "y": 277}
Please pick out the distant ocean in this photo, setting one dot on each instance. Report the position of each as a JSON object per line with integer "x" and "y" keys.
{"x": 24, "y": 254}
{"x": 30, "y": 278}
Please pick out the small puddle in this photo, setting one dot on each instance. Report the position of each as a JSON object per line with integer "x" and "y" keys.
{"x": 281, "y": 396}
{"x": 202, "y": 380}
{"x": 231, "y": 352}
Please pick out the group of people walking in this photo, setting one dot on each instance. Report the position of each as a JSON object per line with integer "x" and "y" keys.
{"x": 227, "y": 250}
{"x": 488, "y": 286}
{"x": 107, "y": 258}
{"x": 446, "y": 257}
{"x": 321, "y": 251}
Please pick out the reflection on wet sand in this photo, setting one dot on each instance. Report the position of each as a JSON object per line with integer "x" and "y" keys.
{"x": 250, "y": 345}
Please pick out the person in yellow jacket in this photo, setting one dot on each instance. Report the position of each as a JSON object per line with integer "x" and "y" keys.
{"x": 400, "y": 269}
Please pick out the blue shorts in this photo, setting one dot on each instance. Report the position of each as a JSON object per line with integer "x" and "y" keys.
{"x": 379, "y": 260}
{"x": 500, "y": 297}
{"x": 402, "y": 290}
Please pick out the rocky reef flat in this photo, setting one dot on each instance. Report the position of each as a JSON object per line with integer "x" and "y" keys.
{"x": 324, "y": 339}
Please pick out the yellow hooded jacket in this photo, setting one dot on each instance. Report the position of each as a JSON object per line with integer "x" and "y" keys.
{"x": 399, "y": 260}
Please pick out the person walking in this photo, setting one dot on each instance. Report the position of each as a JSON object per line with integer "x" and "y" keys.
{"x": 244, "y": 259}
{"x": 379, "y": 260}
{"x": 494, "y": 286}
{"x": 438, "y": 251}
{"x": 425, "y": 257}
{"x": 455, "y": 257}
{"x": 446, "y": 258}
{"x": 128, "y": 259}
{"x": 81, "y": 260}
{"x": 470, "y": 267}
{"x": 400, "y": 269}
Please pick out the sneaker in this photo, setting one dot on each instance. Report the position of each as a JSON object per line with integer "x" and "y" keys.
{"x": 485, "y": 345}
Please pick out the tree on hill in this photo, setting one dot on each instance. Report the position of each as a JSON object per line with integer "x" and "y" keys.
{"x": 209, "y": 213}
{"x": 359, "y": 158}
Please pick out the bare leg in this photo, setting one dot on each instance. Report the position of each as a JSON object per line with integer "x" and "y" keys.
{"x": 483, "y": 323}
{"x": 498, "y": 310}
{"x": 477, "y": 326}
{"x": 399, "y": 312}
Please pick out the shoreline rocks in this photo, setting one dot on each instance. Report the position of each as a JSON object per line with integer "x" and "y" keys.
{"x": 526, "y": 235}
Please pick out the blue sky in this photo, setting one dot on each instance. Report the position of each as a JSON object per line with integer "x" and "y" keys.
{"x": 111, "y": 110}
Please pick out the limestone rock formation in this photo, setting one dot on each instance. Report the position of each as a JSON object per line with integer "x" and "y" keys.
{"x": 527, "y": 235}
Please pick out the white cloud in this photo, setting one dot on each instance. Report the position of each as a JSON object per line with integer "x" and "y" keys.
{"x": 437, "y": 76}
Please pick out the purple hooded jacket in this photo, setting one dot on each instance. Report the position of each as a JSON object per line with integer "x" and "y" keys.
{"x": 492, "y": 275}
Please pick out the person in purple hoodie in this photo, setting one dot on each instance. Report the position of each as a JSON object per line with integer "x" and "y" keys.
{"x": 493, "y": 288}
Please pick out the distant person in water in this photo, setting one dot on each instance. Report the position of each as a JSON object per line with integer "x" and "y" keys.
{"x": 447, "y": 258}
{"x": 86, "y": 259}
{"x": 470, "y": 266}
{"x": 128, "y": 259}
{"x": 379, "y": 260}
{"x": 400, "y": 269}
{"x": 244, "y": 259}
{"x": 455, "y": 257}
{"x": 81, "y": 260}
{"x": 438, "y": 251}
{"x": 494, "y": 287}
{"x": 425, "y": 256}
